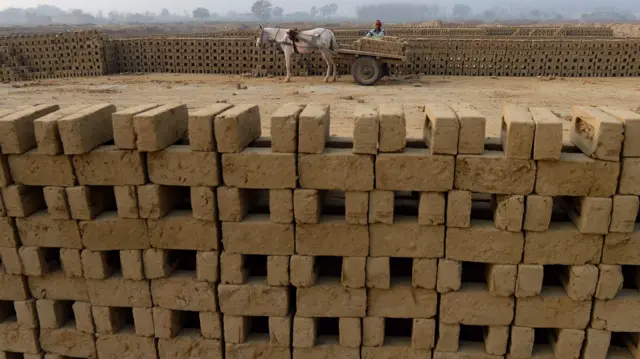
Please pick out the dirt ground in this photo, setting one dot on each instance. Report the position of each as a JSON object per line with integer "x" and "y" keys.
{"x": 486, "y": 94}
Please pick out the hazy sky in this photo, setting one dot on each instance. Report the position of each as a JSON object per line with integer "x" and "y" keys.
{"x": 219, "y": 6}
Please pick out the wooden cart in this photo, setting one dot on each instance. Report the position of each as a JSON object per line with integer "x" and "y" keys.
{"x": 369, "y": 67}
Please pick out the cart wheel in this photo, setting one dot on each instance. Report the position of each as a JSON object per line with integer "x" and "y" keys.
{"x": 366, "y": 70}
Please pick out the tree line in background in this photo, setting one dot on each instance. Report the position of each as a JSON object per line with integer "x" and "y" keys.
{"x": 264, "y": 10}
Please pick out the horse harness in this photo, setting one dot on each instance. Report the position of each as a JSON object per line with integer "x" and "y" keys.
{"x": 294, "y": 36}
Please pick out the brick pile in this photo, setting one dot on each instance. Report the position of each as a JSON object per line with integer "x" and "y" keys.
{"x": 158, "y": 232}
{"x": 387, "y": 45}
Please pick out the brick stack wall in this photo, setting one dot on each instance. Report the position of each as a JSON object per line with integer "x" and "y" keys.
{"x": 161, "y": 232}
{"x": 44, "y": 56}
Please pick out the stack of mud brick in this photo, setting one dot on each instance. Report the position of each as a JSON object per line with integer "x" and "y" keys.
{"x": 386, "y": 45}
{"x": 162, "y": 232}
{"x": 41, "y": 56}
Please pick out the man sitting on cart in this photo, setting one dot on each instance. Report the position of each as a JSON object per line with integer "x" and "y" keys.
{"x": 377, "y": 31}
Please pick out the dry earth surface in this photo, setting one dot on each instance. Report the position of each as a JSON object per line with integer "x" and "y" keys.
{"x": 486, "y": 94}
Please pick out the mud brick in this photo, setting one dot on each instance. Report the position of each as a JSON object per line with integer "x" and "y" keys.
{"x": 56, "y": 201}
{"x": 402, "y": 301}
{"x": 36, "y": 169}
{"x": 189, "y": 345}
{"x": 350, "y": 330}
{"x": 304, "y": 332}
{"x": 631, "y": 123}
{"x": 179, "y": 230}
{"x": 201, "y": 127}
{"x": 17, "y": 134}
{"x": 449, "y": 277}
{"x": 469, "y": 306}
{"x": 306, "y": 205}
{"x": 233, "y": 268}
{"x": 109, "y": 232}
{"x": 22, "y": 201}
{"x": 406, "y": 171}
{"x": 58, "y": 287}
{"x": 547, "y": 143}
{"x": 596, "y": 133}
{"x": 179, "y": 166}
{"x": 423, "y": 334}
{"x": 131, "y": 263}
{"x": 518, "y": 129}
{"x": 620, "y": 314}
{"x": 255, "y": 348}
{"x": 522, "y": 340}
{"x": 629, "y": 176}
{"x": 313, "y": 128}
{"x": 26, "y": 314}
{"x": 34, "y": 261}
{"x": 575, "y": 174}
{"x": 552, "y": 309}
{"x": 459, "y": 209}
{"x": 441, "y": 129}
{"x": 143, "y": 321}
{"x": 596, "y": 344}
{"x": 259, "y": 168}
{"x": 508, "y": 212}
{"x": 87, "y": 129}
{"x": 431, "y": 210}
{"x": 126, "y": 201}
{"x": 567, "y": 343}
{"x": 366, "y": 129}
{"x": 492, "y": 172}
{"x": 393, "y": 128}
{"x": 278, "y": 271}
{"x": 281, "y": 206}
{"x": 166, "y": 322}
{"x": 284, "y": 128}
{"x": 125, "y": 346}
{"x": 160, "y": 127}
{"x": 501, "y": 279}
{"x": 381, "y": 206}
{"x": 116, "y": 291}
{"x": 610, "y": 281}
{"x": 155, "y": 201}
{"x": 303, "y": 273}
{"x": 484, "y": 243}
{"x": 356, "y": 207}
{"x": 448, "y": 337}
{"x": 378, "y": 273}
{"x": 624, "y": 213}
{"x": 562, "y": 244}
{"x": 496, "y": 339}
{"x": 13, "y": 287}
{"x": 236, "y": 128}
{"x": 109, "y": 166}
{"x": 10, "y": 259}
{"x": 41, "y": 230}
{"x": 8, "y": 232}
{"x": 332, "y": 236}
{"x": 529, "y": 280}
{"x": 253, "y": 300}
{"x": 406, "y": 238}
{"x": 580, "y": 281}
{"x": 472, "y": 129}
{"x": 537, "y": 214}
{"x": 124, "y": 134}
{"x": 372, "y": 331}
{"x": 258, "y": 235}
{"x": 181, "y": 292}
{"x": 95, "y": 265}
{"x": 336, "y": 169}
{"x": 15, "y": 339}
{"x": 85, "y": 203}
{"x": 46, "y": 130}
{"x": 331, "y": 300}
{"x": 326, "y": 350}
{"x": 233, "y": 203}
{"x": 590, "y": 214}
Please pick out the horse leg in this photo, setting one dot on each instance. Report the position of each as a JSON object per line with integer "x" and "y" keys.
{"x": 287, "y": 60}
{"x": 335, "y": 69}
{"x": 326, "y": 59}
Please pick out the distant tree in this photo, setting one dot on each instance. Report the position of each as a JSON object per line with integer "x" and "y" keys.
{"x": 333, "y": 9}
{"x": 262, "y": 9}
{"x": 535, "y": 13}
{"x": 113, "y": 16}
{"x": 165, "y": 13}
{"x": 278, "y": 11}
{"x": 313, "y": 12}
{"x": 489, "y": 14}
{"x": 462, "y": 11}
{"x": 201, "y": 13}
{"x": 329, "y": 10}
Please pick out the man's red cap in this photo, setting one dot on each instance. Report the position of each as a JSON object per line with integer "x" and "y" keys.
{"x": 378, "y": 22}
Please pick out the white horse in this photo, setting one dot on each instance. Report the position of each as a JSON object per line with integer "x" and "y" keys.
{"x": 319, "y": 39}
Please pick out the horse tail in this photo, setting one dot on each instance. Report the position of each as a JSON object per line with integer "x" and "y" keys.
{"x": 334, "y": 43}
